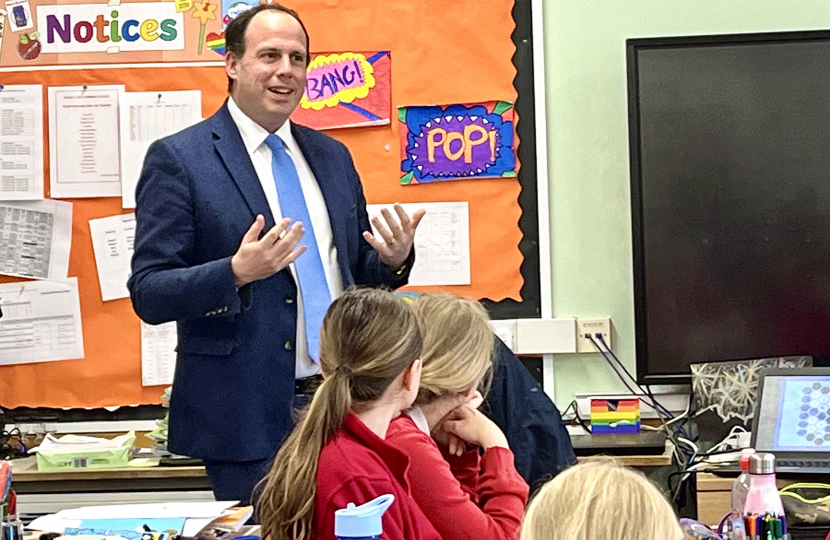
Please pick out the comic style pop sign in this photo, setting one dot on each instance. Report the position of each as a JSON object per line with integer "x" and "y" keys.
{"x": 456, "y": 142}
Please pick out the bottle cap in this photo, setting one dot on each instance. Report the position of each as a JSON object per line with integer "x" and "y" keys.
{"x": 362, "y": 521}
{"x": 745, "y": 453}
{"x": 762, "y": 463}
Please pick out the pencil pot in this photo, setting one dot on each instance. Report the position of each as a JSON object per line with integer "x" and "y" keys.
{"x": 806, "y": 504}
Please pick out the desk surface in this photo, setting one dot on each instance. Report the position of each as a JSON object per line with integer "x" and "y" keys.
{"x": 646, "y": 449}
{"x": 646, "y": 442}
{"x": 714, "y": 496}
{"x": 25, "y": 470}
{"x": 27, "y": 479}
{"x": 632, "y": 461}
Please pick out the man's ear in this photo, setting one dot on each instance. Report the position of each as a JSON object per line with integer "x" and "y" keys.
{"x": 231, "y": 65}
{"x": 412, "y": 376}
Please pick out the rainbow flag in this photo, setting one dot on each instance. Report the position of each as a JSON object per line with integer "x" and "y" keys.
{"x": 615, "y": 416}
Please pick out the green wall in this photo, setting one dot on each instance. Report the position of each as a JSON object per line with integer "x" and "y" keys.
{"x": 588, "y": 150}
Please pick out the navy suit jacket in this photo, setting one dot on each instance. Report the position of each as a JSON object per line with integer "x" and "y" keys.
{"x": 529, "y": 420}
{"x": 197, "y": 196}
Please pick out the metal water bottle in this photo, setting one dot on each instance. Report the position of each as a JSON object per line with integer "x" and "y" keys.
{"x": 762, "y": 496}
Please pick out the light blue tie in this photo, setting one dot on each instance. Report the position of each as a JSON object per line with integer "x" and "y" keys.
{"x": 308, "y": 266}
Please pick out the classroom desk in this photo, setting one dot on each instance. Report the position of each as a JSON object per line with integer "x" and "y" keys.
{"x": 632, "y": 461}
{"x": 46, "y": 492}
{"x": 714, "y": 496}
{"x": 646, "y": 449}
{"x": 27, "y": 479}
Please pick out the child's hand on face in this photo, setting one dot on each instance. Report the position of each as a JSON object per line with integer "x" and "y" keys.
{"x": 472, "y": 427}
{"x": 455, "y": 444}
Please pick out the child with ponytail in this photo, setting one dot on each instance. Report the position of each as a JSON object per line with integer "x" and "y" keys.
{"x": 370, "y": 346}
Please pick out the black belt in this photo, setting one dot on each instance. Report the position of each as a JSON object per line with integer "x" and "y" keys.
{"x": 308, "y": 385}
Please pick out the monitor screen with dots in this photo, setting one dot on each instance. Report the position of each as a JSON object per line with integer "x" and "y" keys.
{"x": 794, "y": 414}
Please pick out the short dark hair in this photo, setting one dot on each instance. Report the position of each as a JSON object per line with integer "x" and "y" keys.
{"x": 235, "y": 32}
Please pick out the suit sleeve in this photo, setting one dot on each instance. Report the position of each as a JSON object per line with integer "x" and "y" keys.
{"x": 165, "y": 284}
{"x": 370, "y": 269}
{"x": 501, "y": 492}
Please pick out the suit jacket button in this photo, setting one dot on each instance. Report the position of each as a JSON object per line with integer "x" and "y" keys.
{"x": 288, "y": 346}
{"x": 289, "y": 300}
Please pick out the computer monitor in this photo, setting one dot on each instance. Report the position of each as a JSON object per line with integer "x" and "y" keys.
{"x": 792, "y": 419}
{"x": 729, "y": 139}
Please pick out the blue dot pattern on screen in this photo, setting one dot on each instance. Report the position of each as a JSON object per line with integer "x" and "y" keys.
{"x": 813, "y": 425}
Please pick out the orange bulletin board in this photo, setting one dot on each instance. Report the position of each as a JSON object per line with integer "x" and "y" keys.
{"x": 442, "y": 53}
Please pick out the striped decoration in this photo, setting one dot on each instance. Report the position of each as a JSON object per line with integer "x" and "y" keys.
{"x": 615, "y": 416}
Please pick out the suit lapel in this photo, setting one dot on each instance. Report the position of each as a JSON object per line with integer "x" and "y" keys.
{"x": 231, "y": 149}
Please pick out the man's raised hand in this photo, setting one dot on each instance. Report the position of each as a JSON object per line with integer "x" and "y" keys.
{"x": 260, "y": 258}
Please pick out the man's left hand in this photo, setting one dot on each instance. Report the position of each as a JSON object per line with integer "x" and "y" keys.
{"x": 396, "y": 237}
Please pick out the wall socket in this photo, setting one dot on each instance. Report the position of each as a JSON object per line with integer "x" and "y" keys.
{"x": 592, "y": 327}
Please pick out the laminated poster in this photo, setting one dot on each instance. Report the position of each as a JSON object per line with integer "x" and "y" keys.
{"x": 456, "y": 142}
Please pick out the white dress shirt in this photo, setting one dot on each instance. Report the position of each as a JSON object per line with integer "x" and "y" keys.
{"x": 253, "y": 135}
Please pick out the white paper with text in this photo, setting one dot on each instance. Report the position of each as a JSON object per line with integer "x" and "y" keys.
{"x": 112, "y": 242}
{"x": 84, "y": 141}
{"x": 146, "y": 117}
{"x": 21, "y": 142}
{"x": 41, "y": 322}
{"x": 35, "y": 238}
{"x": 442, "y": 242}
{"x": 158, "y": 353}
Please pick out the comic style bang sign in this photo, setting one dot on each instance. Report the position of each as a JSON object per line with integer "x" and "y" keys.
{"x": 456, "y": 142}
{"x": 346, "y": 90}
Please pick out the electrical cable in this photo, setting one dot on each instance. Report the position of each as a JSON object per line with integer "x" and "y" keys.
{"x": 653, "y": 403}
{"x": 582, "y": 422}
{"x": 685, "y": 450}
{"x": 11, "y": 442}
{"x": 575, "y": 406}
{"x": 646, "y": 391}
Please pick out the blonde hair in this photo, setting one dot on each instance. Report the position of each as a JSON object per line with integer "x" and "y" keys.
{"x": 458, "y": 343}
{"x": 369, "y": 337}
{"x": 600, "y": 501}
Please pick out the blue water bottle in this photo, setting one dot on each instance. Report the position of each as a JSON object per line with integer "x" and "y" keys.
{"x": 362, "y": 522}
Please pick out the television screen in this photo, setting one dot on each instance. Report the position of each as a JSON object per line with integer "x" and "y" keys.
{"x": 730, "y": 189}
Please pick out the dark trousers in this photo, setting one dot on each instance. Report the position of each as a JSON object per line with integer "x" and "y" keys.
{"x": 236, "y": 481}
{"x": 239, "y": 481}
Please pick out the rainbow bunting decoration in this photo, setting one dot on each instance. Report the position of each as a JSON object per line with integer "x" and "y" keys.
{"x": 615, "y": 416}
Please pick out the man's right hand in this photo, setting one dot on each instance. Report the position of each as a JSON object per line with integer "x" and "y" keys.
{"x": 260, "y": 258}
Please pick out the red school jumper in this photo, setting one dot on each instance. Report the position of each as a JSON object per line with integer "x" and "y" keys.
{"x": 465, "y": 497}
{"x": 356, "y": 466}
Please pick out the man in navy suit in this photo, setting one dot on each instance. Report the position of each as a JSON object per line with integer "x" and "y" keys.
{"x": 249, "y": 304}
